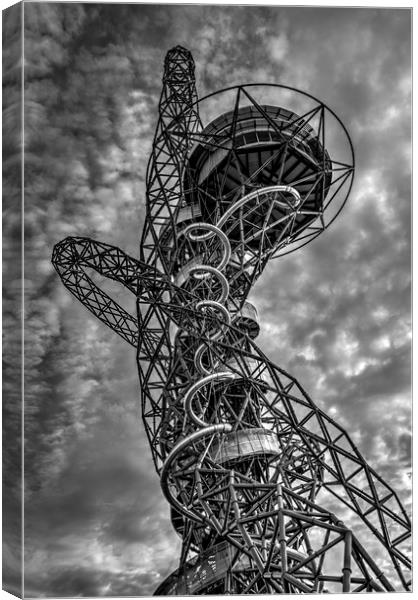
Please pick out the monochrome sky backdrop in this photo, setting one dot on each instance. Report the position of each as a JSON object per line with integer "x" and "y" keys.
{"x": 336, "y": 314}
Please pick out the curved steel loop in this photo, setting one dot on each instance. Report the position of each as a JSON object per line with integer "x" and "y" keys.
{"x": 203, "y": 348}
{"x": 188, "y": 398}
{"x": 73, "y": 255}
{"x": 186, "y": 444}
{"x": 217, "y": 306}
{"x": 216, "y": 273}
{"x": 107, "y": 260}
{"x": 198, "y": 360}
{"x": 255, "y": 194}
{"x": 212, "y": 231}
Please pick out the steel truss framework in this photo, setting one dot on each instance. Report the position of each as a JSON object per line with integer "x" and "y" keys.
{"x": 252, "y": 469}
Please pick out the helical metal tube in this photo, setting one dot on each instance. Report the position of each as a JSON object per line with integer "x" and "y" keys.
{"x": 284, "y": 189}
{"x": 207, "y": 264}
{"x": 204, "y": 232}
{"x": 184, "y": 489}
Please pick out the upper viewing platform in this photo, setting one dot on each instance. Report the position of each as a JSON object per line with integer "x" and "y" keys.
{"x": 257, "y": 147}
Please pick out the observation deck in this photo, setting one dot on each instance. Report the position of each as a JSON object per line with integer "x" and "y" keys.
{"x": 252, "y": 148}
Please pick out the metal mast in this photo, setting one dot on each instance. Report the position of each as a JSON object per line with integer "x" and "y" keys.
{"x": 254, "y": 472}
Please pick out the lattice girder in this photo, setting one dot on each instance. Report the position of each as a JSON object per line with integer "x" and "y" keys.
{"x": 249, "y": 464}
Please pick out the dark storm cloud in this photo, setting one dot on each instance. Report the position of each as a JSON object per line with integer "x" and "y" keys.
{"x": 335, "y": 314}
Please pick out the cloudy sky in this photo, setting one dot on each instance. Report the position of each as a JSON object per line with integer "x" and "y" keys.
{"x": 336, "y": 314}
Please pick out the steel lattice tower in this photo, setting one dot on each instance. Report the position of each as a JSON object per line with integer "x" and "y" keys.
{"x": 253, "y": 470}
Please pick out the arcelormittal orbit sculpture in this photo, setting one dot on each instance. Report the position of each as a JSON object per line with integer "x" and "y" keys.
{"x": 258, "y": 478}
